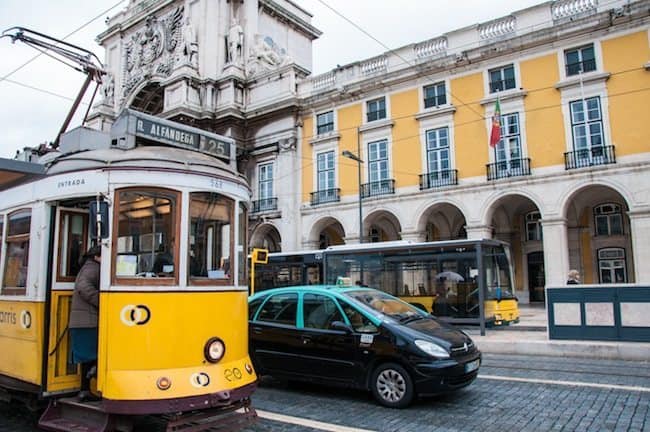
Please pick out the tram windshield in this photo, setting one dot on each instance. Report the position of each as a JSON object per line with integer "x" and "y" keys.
{"x": 210, "y": 237}
{"x": 146, "y": 230}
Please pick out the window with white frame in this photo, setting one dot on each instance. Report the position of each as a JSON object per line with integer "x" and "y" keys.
{"x": 533, "y": 226}
{"x": 325, "y": 122}
{"x": 325, "y": 176}
{"x": 611, "y": 265}
{"x": 265, "y": 185}
{"x": 502, "y": 78}
{"x": 376, "y": 109}
{"x": 378, "y": 161}
{"x": 608, "y": 219}
{"x": 435, "y": 95}
{"x": 587, "y": 127}
{"x": 508, "y": 149}
{"x": 580, "y": 60}
{"x": 438, "y": 153}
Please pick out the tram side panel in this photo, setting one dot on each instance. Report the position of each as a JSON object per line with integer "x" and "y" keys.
{"x": 21, "y": 339}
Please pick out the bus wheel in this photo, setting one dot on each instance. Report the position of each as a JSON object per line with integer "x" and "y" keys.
{"x": 392, "y": 386}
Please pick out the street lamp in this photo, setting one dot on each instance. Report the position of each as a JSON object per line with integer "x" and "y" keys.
{"x": 348, "y": 154}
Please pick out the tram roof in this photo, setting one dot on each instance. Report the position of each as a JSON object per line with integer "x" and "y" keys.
{"x": 13, "y": 172}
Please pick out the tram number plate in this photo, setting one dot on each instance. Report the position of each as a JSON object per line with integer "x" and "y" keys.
{"x": 472, "y": 366}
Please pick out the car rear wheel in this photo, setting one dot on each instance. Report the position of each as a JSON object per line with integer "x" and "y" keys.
{"x": 392, "y": 386}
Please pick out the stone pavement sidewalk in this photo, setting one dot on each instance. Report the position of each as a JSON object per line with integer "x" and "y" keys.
{"x": 530, "y": 337}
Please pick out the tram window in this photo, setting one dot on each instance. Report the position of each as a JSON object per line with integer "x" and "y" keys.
{"x": 146, "y": 229}
{"x": 210, "y": 238}
{"x": 17, "y": 253}
{"x": 72, "y": 244}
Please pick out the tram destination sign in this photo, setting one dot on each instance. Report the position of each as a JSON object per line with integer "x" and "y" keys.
{"x": 176, "y": 136}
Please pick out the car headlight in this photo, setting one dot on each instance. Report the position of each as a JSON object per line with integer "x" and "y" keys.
{"x": 214, "y": 350}
{"x": 432, "y": 349}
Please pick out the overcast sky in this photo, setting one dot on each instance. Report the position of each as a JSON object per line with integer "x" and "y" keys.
{"x": 29, "y": 117}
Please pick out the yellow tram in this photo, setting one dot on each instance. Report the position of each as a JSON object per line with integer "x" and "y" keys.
{"x": 170, "y": 211}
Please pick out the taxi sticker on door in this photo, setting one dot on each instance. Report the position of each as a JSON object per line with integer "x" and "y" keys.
{"x": 366, "y": 339}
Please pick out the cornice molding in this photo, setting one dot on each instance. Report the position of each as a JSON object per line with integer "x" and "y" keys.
{"x": 435, "y": 112}
{"x": 504, "y": 96}
{"x": 586, "y": 78}
{"x": 377, "y": 125}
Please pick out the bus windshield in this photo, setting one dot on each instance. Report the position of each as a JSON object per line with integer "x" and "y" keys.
{"x": 497, "y": 274}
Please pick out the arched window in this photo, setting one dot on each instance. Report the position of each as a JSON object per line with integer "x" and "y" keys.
{"x": 611, "y": 265}
{"x": 533, "y": 226}
{"x": 608, "y": 219}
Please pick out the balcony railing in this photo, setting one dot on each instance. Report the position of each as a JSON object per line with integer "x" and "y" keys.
{"x": 583, "y": 66}
{"x": 382, "y": 187}
{"x": 600, "y": 155}
{"x": 436, "y": 179}
{"x": 501, "y": 85}
{"x": 266, "y": 204}
{"x": 325, "y": 196}
{"x": 511, "y": 168}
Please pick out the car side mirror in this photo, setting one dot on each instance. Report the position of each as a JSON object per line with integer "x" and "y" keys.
{"x": 340, "y": 325}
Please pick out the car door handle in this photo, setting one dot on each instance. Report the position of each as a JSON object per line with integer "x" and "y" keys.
{"x": 257, "y": 330}
{"x": 306, "y": 339}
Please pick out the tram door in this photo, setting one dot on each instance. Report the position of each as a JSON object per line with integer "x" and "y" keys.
{"x": 71, "y": 240}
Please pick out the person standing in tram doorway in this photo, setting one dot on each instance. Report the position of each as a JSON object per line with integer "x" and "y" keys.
{"x": 84, "y": 318}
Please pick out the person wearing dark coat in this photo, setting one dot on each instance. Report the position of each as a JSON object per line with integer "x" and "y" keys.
{"x": 84, "y": 317}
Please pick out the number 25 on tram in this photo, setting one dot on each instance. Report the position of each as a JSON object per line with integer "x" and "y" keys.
{"x": 173, "y": 296}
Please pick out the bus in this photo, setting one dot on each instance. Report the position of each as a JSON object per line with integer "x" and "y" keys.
{"x": 451, "y": 279}
{"x": 168, "y": 207}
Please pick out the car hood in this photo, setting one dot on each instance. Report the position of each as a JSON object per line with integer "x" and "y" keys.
{"x": 431, "y": 329}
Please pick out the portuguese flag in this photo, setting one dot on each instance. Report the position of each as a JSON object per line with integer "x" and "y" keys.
{"x": 495, "y": 135}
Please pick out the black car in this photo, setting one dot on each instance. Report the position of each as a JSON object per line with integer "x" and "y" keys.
{"x": 358, "y": 337}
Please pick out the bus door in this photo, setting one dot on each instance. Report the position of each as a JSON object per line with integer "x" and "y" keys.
{"x": 71, "y": 240}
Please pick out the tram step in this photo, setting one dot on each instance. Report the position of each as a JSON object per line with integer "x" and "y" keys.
{"x": 230, "y": 419}
{"x": 70, "y": 415}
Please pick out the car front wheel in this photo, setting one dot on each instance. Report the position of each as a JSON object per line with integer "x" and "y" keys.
{"x": 392, "y": 386}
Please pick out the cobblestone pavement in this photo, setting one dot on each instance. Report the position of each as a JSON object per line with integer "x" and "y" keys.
{"x": 492, "y": 402}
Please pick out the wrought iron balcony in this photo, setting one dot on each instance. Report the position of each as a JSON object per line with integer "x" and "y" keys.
{"x": 511, "y": 168}
{"x": 582, "y": 66}
{"x": 266, "y": 204}
{"x": 382, "y": 187}
{"x": 601, "y": 155}
{"x": 436, "y": 179}
{"x": 325, "y": 196}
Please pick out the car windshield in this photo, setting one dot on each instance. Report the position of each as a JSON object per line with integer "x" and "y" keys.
{"x": 381, "y": 303}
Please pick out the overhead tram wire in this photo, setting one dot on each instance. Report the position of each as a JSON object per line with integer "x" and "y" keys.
{"x": 5, "y": 77}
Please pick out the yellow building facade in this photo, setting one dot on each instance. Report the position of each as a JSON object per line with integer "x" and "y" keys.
{"x": 565, "y": 185}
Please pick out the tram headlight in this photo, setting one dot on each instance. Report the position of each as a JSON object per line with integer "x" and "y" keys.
{"x": 214, "y": 350}
{"x": 432, "y": 349}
